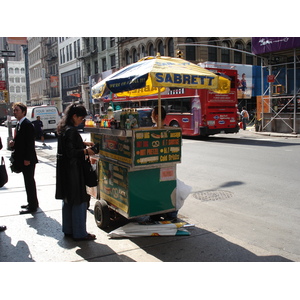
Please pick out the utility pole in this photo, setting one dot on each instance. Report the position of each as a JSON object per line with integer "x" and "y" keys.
{"x": 9, "y": 127}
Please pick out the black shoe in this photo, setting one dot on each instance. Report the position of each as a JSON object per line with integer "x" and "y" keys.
{"x": 25, "y": 206}
{"x": 2, "y": 228}
{"x": 27, "y": 211}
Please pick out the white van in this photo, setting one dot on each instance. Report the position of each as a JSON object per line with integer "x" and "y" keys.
{"x": 48, "y": 114}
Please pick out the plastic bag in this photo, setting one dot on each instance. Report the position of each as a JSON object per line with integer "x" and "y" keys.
{"x": 182, "y": 192}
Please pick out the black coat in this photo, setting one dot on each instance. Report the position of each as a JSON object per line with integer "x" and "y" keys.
{"x": 70, "y": 184}
{"x": 24, "y": 147}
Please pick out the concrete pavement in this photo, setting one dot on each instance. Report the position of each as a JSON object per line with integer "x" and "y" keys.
{"x": 38, "y": 237}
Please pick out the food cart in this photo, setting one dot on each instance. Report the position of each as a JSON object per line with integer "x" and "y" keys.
{"x": 137, "y": 167}
{"x": 136, "y": 171}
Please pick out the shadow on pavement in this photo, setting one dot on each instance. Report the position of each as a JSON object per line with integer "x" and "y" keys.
{"x": 200, "y": 246}
{"x": 47, "y": 226}
{"x": 20, "y": 252}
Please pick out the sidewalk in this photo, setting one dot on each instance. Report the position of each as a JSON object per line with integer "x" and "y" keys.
{"x": 38, "y": 237}
{"x": 274, "y": 134}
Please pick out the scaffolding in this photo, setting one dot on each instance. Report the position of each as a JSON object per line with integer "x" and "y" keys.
{"x": 280, "y": 109}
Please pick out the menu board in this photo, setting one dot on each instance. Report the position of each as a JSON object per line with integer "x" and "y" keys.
{"x": 114, "y": 184}
{"x": 116, "y": 148}
{"x": 157, "y": 146}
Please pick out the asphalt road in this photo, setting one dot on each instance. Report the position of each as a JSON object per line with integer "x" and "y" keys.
{"x": 246, "y": 189}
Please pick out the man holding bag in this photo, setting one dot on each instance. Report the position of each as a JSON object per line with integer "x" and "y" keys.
{"x": 2, "y": 227}
{"x": 24, "y": 155}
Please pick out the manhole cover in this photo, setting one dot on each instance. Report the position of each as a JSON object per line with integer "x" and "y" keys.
{"x": 212, "y": 195}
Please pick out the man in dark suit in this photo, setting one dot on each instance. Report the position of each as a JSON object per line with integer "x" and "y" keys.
{"x": 23, "y": 146}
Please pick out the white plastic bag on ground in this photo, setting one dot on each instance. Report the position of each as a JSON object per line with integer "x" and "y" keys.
{"x": 182, "y": 192}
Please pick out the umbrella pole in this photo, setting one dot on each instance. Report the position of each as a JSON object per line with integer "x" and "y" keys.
{"x": 159, "y": 109}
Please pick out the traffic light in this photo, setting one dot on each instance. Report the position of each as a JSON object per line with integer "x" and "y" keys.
{"x": 179, "y": 54}
{"x": 5, "y": 96}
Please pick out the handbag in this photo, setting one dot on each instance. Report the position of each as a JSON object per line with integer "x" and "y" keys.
{"x": 15, "y": 168}
{"x": 90, "y": 175}
{"x": 3, "y": 173}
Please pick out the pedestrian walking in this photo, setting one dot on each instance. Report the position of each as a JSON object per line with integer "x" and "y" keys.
{"x": 2, "y": 227}
{"x": 245, "y": 117}
{"x": 70, "y": 184}
{"x": 38, "y": 126}
{"x": 24, "y": 156}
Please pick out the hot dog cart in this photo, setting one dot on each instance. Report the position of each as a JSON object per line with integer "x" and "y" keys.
{"x": 136, "y": 171}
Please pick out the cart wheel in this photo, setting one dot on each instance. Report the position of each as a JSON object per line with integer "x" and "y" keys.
{"x": 101, "y": 214}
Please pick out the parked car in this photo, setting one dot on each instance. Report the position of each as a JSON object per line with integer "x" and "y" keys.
{"x": 13, "y": 122}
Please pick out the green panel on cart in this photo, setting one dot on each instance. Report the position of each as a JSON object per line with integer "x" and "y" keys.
{"x": 148, "y": 193}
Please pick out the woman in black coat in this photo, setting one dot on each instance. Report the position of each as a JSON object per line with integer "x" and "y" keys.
{"x": 70, "y": 186}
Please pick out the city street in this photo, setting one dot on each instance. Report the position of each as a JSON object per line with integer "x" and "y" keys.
{"x": 244, "y": 205}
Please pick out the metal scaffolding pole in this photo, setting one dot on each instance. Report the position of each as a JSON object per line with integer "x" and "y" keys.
{"x": 295, "y": 92}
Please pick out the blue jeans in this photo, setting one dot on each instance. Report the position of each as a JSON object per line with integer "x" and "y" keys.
{"x": 74, "y": 219}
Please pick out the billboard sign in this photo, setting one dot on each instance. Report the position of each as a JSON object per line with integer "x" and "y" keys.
{"x": 262, "y": 45}
{"x": 245, "y": 77}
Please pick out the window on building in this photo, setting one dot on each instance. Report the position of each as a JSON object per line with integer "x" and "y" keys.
{"x": 67, "y": 49}
{"x": 249, "y": 58}
{"x": 103, "y": 43}
{"x": 17, "y": 79}
{"x": 212, "y": 51}
{"x": 134, "y": 56}
{"x": 10, "y": 70}
{"x": 17, "y": 71}
{"x": 127, "y": 58}
{"x": 112, "y": 42}
{"x": 143, "y": 52}
{"x": 78, "y": 48}
{"x": 70, "y": 51}
{"x": 11, "y": 79}
{"x": 87, "y": 44}
{"x": 95, "y": 43}
{"x": 18, "y": 89}
{"x": 225, "y": 53}
{"x": 104, "y": 65}
{"x": 23, "y": 79}
{"x": 113, "y": 61}
{"x": 75, "y": 52}
{"x": 160, "y": 47}
{"x": 151, "y": 50}
{"x": 12, "y": 89}
{"x": 190, "y": 51}
{"x": 96, "y": 67}
{"x": 22, "y": 71}
{"x": 23, "y": 89}
{"x": 171, "y": 47}
{"x": 238, "y": 55}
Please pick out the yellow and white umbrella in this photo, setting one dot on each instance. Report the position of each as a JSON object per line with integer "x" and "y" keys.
{"x": 152, "y": 74}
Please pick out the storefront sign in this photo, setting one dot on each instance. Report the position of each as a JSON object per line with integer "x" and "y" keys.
{"x": 2, "y": 85}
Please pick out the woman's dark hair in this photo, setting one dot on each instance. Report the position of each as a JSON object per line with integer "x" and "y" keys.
{"x": 67, "y": 119}
{"x": 163, "y": 112}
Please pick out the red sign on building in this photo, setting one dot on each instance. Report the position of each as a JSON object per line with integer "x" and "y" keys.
{"x": 2, "y": 85}
{"x": 271, "y": 78}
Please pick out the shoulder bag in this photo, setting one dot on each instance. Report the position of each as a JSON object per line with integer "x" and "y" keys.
{"x": 90, "y": 175}
{"x": 3, "y": 173}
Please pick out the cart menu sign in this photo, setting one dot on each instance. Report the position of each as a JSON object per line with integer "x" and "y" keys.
{"x": 157, "y": 146}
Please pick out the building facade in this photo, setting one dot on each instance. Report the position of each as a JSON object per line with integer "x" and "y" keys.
{"x": 70, "y": 71}
{"x": 17, "y": 81}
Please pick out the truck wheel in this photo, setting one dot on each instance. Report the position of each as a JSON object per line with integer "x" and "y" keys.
{"x": 101, "y": 214}
{"x": 174, "y": 124}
